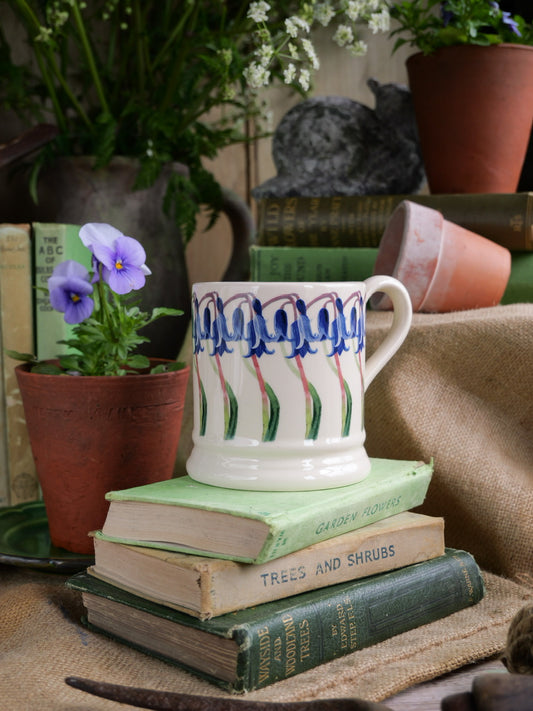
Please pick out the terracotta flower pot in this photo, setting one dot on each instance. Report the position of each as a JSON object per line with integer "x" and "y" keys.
{"x": 93, "y": 434}
{"x": 443, "y": 266}
{"x": 474, "y": 110}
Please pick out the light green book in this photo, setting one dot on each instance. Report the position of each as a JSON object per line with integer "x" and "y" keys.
{"x": 53, "y": 243}
{"x": 311, "y": 263}
{"x": 254, "y": 527}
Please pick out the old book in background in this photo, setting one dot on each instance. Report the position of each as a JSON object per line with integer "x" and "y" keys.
{"x": 520, "y": 285}
{"x": 53, "y": 243}
{"x": 18, "y": 479}
{"x": 253, "y": 648}
{"x": 185, "y": 515}
{"x": 209, "y": 587}
{"x": 311, "y": 263}
{"x": 360, "y": 220}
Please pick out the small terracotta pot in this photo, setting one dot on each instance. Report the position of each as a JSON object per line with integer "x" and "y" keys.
{"x": 474, "y": 108}
{"x": 91, "y": 434}
{"x": 443, "y": 266}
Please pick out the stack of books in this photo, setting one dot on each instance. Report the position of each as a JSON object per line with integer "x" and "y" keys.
{"x": 247, "y": 588}
{"x": 337, "y": 238}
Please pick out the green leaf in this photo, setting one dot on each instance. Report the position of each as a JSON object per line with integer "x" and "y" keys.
{"x": 273, "y": 421}
{"x": 168, "y": 367}
{"x": 348, "y": 413}
{"x": 233, "y": 415}
{"x": 314, "y": 425}
{"x": 203, "y": 410}
{"x": 25, "y": 357}
{"x": 47, "y": 369}
{"x": 138, "y": 362}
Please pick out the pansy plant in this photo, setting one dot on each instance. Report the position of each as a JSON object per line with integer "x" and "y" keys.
{"x": 106, "y": 321}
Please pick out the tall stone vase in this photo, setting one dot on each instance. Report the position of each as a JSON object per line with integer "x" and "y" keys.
{"x": 73, "y": 191}
{"x": 474, "y": 110}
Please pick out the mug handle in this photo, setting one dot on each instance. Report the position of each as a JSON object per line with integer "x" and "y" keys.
{"x": 402, "y": 316}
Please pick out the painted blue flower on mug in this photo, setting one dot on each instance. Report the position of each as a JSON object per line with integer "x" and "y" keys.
{"x": 257, "y": 327}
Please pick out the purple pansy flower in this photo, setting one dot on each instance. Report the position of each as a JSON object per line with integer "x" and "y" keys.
{"x": 122, "y": 258}
{"x": 512, "y": 24}
{"x": 69, "y": 288}
{"x": 446, "y": 14}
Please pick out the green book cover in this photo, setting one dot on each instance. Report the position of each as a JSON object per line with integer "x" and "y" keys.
{"x": 360, "y": 220}
{"x": 260, "y": 645}
{"x": 255, "y": 527}
{"x": 520, "y": 285}
{"x": 53, "y": 243}
{"x": 311, "y": 263}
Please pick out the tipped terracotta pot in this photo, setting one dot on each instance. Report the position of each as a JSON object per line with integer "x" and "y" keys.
{"x": 474, "y": 109}
{"x": 93, "y": 434}
{"x": 443, "y": 266}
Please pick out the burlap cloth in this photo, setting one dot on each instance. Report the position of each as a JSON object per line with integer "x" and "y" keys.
{"x": 460, "y": 390}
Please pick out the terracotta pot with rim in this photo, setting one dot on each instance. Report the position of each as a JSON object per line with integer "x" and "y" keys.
{"x": 93, "y": 434}
{"x": 474, "y": 111}
{"x": 443, "y": 266}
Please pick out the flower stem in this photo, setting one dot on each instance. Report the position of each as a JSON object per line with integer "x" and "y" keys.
{"x": 90, "y": 57}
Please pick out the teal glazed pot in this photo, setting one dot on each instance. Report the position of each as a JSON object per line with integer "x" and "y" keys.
{"x": 93, "y": 434}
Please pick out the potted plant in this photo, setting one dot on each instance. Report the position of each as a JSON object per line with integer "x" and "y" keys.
{"x": 102, "y": 416}
{"x": 141, "y": 93}
{"x": 472, "y": 88}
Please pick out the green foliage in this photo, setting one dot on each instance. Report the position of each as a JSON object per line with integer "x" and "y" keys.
{"x": 144, "y": 79}
{"x": 166, "y": 80}
{"x": 105, "y": 343}
{"x": 431, "y": 24}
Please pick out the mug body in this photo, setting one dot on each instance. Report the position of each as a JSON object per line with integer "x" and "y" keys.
{"x": 278, "y": 384}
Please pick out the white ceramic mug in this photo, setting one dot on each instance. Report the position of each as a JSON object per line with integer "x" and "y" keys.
{"x": 279, "y": 377}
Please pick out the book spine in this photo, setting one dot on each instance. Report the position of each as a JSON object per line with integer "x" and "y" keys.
{"x": 376, "y": 503}
{"x": 311, "y": 263}
{"x": 52, "y": 244}
{"x": 16, "y": 306}
{"x": 360, "y": 220}
{"x": 351, "y": 556}
{"x": 4, "y": 471}
{"x": 519, "y": 288}
{"x": 330, "y": 623}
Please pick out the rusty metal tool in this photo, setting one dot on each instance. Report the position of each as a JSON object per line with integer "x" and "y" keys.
{"x": 173, "y": 701}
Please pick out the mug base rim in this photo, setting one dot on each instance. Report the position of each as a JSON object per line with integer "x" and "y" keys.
{"x": 294, "y": 473}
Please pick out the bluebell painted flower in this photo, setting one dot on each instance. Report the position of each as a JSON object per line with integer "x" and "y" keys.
{"x": 281, "y": 325}
{"x": 301, "y": 332}
{"x": 197, "y": 334}
{"x": 257, "y": 335}
{"x": 69, "y": 288}
{"x": 122, "y": 258}
{"x": 219, "y": 331}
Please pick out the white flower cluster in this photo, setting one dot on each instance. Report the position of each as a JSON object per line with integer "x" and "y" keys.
{"x": 292, "y": 52}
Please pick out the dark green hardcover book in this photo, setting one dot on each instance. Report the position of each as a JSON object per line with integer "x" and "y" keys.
{"x": 360, "y": 220}
{"x": 311, "y": 263}
{"x": 258, "y": 646}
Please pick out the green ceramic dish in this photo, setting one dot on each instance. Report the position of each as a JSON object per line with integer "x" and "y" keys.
{"x": 25, "y": 541}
